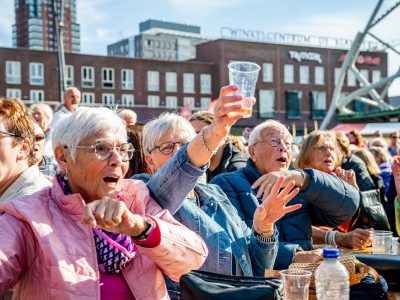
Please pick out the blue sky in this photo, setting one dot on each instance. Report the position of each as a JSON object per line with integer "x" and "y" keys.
{"x": 106, "y": 21}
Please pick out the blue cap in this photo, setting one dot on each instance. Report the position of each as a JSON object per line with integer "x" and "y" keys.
{"x": 331, "y": 253}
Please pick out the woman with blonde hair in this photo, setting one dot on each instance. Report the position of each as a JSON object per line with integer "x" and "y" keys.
{"x": 320, "y": 151}
{"x": 373, "y": 170}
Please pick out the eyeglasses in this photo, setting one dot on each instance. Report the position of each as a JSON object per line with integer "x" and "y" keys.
{"x": 394, "y": 137}
{"x": 104, "y": 150}
{"x": 167, "y": 148}
{"x": 275, "y": 142}
{"x": 322, "y": 149}
{"x": 39, "y": 137}
{"x": 8, "y": 133}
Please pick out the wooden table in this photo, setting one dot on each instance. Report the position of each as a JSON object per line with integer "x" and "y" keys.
{"x": 347, "y": 251}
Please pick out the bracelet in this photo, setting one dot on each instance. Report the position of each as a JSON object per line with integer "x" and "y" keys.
{"x": 213, "y": 152}
{"x": 330, "y": 238}
{"x": 263, "y": 239}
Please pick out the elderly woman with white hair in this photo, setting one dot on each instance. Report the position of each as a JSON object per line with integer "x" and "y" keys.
{"x": 93, "y": 234}
{"x": 43, "y": 115}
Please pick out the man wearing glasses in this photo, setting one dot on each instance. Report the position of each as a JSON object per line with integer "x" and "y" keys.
{"x": 326, "y": 200}
{"x": 18, "y": 174}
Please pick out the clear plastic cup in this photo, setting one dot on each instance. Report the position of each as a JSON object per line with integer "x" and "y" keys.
{"x": 296, "y": 284}
{"x": 381, "y": 241}
{"x": 244, "y": 75}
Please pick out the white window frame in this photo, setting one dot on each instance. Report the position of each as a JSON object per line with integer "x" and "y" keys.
{"x": 321, "y": 100}
{"x": 171, "y": 102}
{"x": 319, "y": 75}
{"x": 189, "y": 103}
{"x": 376, "y": 75}
{"x": 304, "y": 72}
{"x": 127, "y": 79}
{"x": 108, "y": 99}
{"x": 288, "y": 73}
{"x": 153, "y": 101}
{"x": 365, "y": 74}
{"x": 87, "y": 80}
{"x": 351, "y": 78}
{"x": 69, "y": 75}
{"x": 171, "y": 82}
{"x": 205, "y": 102}
{"x": 188, "y": 83}
{"x": 13, "y": 72}
{"x": 36, "y": 74}
{"x": 13, "y": 93}
{"x": 153, "y": 81}
{"x": 266, "y": 106}
{"x": 108, "y": 78}
{"x": 205, "y": 83}
{"x": 88, "y": 98}
{"x": 336, "y": 75}
{"x": 36, "y": 96}
{"x": 128, "y": 100}
{"x": 268, "y": 72}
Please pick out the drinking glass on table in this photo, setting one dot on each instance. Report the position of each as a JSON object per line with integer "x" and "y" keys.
{"x": 296, "y": 284}
{"x": 244, "y": 75}
{"x": 381, "y": 241}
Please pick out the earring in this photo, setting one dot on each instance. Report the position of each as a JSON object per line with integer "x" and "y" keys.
{"x": 65, "y": 177}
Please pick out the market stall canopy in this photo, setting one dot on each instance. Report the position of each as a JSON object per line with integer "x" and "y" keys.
{"x": 369, "y": 128}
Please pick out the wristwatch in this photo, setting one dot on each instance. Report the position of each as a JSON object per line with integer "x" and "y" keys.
{"x": 145, "y": 234}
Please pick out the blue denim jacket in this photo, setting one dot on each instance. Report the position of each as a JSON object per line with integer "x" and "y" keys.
{"x": 216, "y": 221}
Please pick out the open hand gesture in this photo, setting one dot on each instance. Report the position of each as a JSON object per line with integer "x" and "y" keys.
{"x": 274, "y": 206}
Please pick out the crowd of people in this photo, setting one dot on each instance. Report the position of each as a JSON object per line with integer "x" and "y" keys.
{"x": 93, "y": 205}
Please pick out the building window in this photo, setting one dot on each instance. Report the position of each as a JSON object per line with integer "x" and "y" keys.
{"x": 188, "y": 102}
{"x": 153, "y": 101}
{"x": 268, "y": 72}
{"x": 87, "y": 74}
{"x": 36, "y": 95}
{"x": 293, "y": 104}
{"x": 13, "y": 93}
{"x": 88, "y": 99}
{"x": 365, "y": 74}
{"x": 376, "y": 76}
{"x": 13, "y": 72}
{"x": 36, "y": 74}
{"x": 351, "y": 78}
{"x": 337, "y": 73}
{"x": 171, "y": 102}
{"x": 188, "y": 83}
{"x": 108, "y": 100}
{"x": 108, "y": 78}
{"x": 128, "y": 100}
{"x": 266, "y": 103}
{"x": 205, "y": 83}
{"x": 304, "y": 75}
{"x": 127, "y": 82}
{"x": 69, "y": 75}
{"x": 205, "y": 102}
{"x": 319, "y": 75}
{"x": 288, "y": 73}
{"x": 318, "y": 104}
{"x": 171, "y": 82}
{"x": 153, "y": 81}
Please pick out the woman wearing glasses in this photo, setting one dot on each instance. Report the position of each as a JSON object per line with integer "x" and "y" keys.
{"x": 320, "y": 151}
{"x": 92, "y": 235}
{"x": 18, "y": 173}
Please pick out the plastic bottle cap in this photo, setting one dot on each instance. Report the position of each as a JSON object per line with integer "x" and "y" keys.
{"x": 330, "y": 253}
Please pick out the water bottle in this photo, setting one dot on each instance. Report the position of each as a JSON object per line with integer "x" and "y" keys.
{"x": 331, "y": 277}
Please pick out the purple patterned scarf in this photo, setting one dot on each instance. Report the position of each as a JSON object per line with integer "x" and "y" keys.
{"x": 114, "y": 250}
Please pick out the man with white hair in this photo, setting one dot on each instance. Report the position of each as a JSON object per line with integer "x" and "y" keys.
{"x": 326, "y": 200}
{"x": 72, "y": 99}
{"x": 129, "y": 116}
{"x": 43, "y": 116}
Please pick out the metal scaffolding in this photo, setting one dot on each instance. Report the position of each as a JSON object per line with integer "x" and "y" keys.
{"x": 367, "y": 93}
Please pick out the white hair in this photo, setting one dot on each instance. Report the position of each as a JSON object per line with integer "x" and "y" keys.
{"x": 379, "y": 142}
{"x": 128, "y": 113}
{"x": 85, "y": 122}
{"x": 45, "y": 108}
{"x": 255, "y": 134}
{"x": 156, "y": 128}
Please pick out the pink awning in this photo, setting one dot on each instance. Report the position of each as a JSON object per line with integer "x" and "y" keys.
{"x": 348, "y": 127}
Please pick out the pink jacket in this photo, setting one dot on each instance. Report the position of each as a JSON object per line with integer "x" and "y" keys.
{"x": 46, "y": 253}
